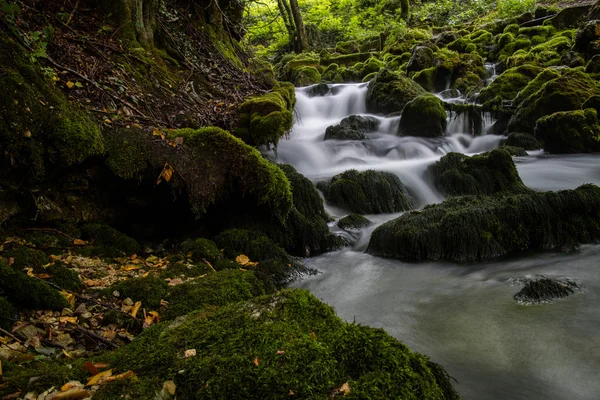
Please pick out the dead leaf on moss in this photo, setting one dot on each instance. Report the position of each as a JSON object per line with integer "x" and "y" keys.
{"x": 94, "y": 380}
{"x": 136, "y": 308}
{"x": 345, "y": 388}
{"x": 190, "y": 353}
{"x": 79, "y": 242}
{"x": 256, "y": 361}
{"x": 166, "y": 174}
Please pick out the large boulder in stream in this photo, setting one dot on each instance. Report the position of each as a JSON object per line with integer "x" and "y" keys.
{"x": 544, "y": 290}
{"x": 368, "y": 192}
{"x": 569, "y": 131}
{"x": 389, "y": 92}
{"x": 523, "y": 140}
{"x": 353, "y": 221}
{"x": 424, "y": 116}
{"x": 479, "y": 228}
{"x": 353, "y": 127}
{"x": 456, "y": 174}
{"x": 508, "y": 84}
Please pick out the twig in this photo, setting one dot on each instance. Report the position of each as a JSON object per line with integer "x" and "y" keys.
{"x": 49, "y": 230}
{"x": 73, "y": 13}
{"x": 10, "y": 335}
{"x": 94, "y": 336}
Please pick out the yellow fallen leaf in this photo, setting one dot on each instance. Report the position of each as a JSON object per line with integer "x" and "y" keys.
{"x": 345, "y": 388}
{"x": 71, "y": 394}
{"x": 70, "y": 298}
{"x": 66, "y": 319}
{"x": 79, "y": 242}
{"x": 166, "y": 174}
{"x": 137, "y": 126}
{"x": 130, "y": 267}
{"x": 120, "y": 377}
{"x": 136, "y": 308}
{"x": 156, "y": 132}
{"x": 108, "y": 121}
{"x": 189, "y": 353}
{"x": 30, "y": 272}
{"x": 256, "y": 362}
{"x": 242, "y": 259}
{"x": 70, "y": 385}
{"x": 98, "y": 377}
{"x": 67, "y": 354}
{"x": 70, "y": 84}
{"x": 42, "y": 276}
{"x": 169, "y": 387}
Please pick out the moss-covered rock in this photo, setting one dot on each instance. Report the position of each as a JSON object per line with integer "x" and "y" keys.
{"x": 424, "y": 116}
{"x": 264, "y": 119}
{"x": 353, "y": 127}
{"x": 39, "y": 127}
{"x": 509, "y": 83}
{"x": 456, "y": 174}
{"x": 221, "y": 165}
{"x": 422, "y": 57}
{"x": 107, "y": 241}
{"x": 368, "y": 192}
{"x": 7, "y": 314}
{"x": 25, "y": 257}
{"x": 320, "y": 89}
{"x": 149, "y": 290}
{"x": 128, "y": 152}
{"x": 347, "y": 47}
{"x": 306, "y": 76}
{"x": 536, "y": 84}
{"x": 544, "y": 290}
{"x": 205, "y": 249}
{"x": 515, "y": 151}
{"x": 569, "y": 131}
{"x": 353, "y": 221}
{"x": 549, "y": 52}
{"x": 389, "y": 92}
{"x": 276, "y": 344}
{"x": 216, "y": 289}
{"x": 565, "y": 93}
{"x": 586, "y": 38}
{"x": 471, "y": 228}
{"x": 524, "y": 140}
{"x": 29, "y": 292}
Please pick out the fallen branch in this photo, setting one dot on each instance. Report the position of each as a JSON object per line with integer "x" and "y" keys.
{"x": 49, "y": 230}
{"x": 93, "y": 336}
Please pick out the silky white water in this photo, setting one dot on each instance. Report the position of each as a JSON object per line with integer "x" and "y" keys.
{"x": 464, "y": 317}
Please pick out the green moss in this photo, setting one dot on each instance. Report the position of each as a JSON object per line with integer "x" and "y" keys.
{"x": 424, "y": 116}
{"x": 470, "y": 48}
{"x": 25, "y": 257}
{"x": 569, "y": 131}
{"x": 299, "y": 344}
{"x": 368, "y": 192}
{"x": 541, "y": 30}
{"x": 217, "y": 289}
{"x": 515, "y": 151}
{"x": 108, "y": 241}
{"x": 25, "y": 291}
{"x": 227, "y": 165}
{"x": 346, "y": 47}
{"x": 533, "y": 86}
{"x": 330, "y": 72}
{"x": 7, "y": 314}
{"x": 508, "y": 84}
{"x": 512, "y": 28}
{"x": 205, "y": 249}
{"x": 549, "y": 52}
{"x": 456, "y": 174}
{"x": 565, "y": 93}
{"x": 266, "y": 118}
{"x": 353, "y": 221}
{"x": 64, "y": 277}
{"x": 128, "y": 152}
{"x": 149, "y": 290}
{"x": 389, "y": 92}
{"x": 471, "y": 228}
{"x": 305, "y": 76}
{"x": 427, "y": 78}
{"x": 524, "y": 140}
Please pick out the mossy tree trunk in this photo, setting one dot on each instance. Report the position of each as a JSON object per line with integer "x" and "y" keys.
{"x": 405, "y": 9}
{"x": 136, "y": 19}
{"x": 301, "y": 38}
{"x": 286, "y": 15}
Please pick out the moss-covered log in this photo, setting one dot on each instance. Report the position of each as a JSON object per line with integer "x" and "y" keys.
{"x": 469, "y": 228}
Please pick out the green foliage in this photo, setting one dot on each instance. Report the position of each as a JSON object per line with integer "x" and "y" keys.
{"x": 424, "y": 117}
{"x": 511, "y": 8}
{"x": 470, "y": 228}
{"x": 274, "y": 344}
{"x": 149, "y": 290}
{"x": 108, "y": 241}
{"x": 456, "y": 174}
{"x": 368, "y": 192}
{"x": 569, "y": 131}
{"x": 25, "y": 291}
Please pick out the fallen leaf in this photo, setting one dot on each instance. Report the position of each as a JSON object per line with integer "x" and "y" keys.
{"x": 136, "y": 308}
{"x": 175, "y": 281}
{"x": 130, "y": 267}
{"x": 242, "y": 259}
{"x": 109, "y": 334}
{"x": 71, "y": 385}
{"x": 65, "y": 319}
{"x": 137, "y": 126}
{"x": 256, "y": 362}
{"x": 170, "y": 387}
{"x": 11, "y": 260}
{"x": 79, "y": 242}
{"x": 71, "y": 394}
{"x": 70, "y": 84}
{"x": 101, "y": 365}
{"x": 166, "y": 174}
{"x": 94, "y": 380}
{"x": 90, "y": 367}
{"x": 345, "y": 388}
{"x": 151, "y": 318}
{"x": 190, "y": 353}
{"x": 291, "y": 393}
{"x": 66, "y": 353}
{"x": 280, "y": 352}
{"x": 120, "y": 377}
{"x": 156, "y": 132}
{"x": 69, "y": 296}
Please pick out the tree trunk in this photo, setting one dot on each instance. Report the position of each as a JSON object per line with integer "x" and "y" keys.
{"x": 405, "y": 9}
{"x": 286, "y": 15}
{"x": 301, "y": 38}
{"x": 136, "y": 19}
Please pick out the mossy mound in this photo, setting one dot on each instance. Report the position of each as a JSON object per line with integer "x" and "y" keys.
{"x": 63, "y": 276}
{"x": 524, "y": 140}
{"x": 514, "y": 151}
{"x": 149, "y": 290}
{"x": 128, "y": 152}
{"x": 509, "y": 83}
{"x": 368, "y": 192}
{"x": 288, "y": 342}
{"x": 424, "y": 116}
{"x": 544, "y": 290}
{"x": 470, "y": 228}
{"x": 353, "y": 127}
{"x": 569, "y": 131}
{"x": 422, "y": 57}
{"x": 29, "y": 292}
{"x": 216, "y": 289}
{"x": 456, "y": 174}
{"x": 306, "y": 76}
{"x": 39, "y": 128}
{"x": 266, "y": 118}
{"x": 565, "y": 93}
{"x": 389, "y": 92}
{"x": 353, "y": 221}
{"x": 7, "y": 314}
{"x": 275, "y": 266}
{"x": 25, "y": 257}
{"x": 536, "y": 84}
{"x": 107, "y": 241}
{"x": 205, "y": 249}
{"x": 222, "y": 165}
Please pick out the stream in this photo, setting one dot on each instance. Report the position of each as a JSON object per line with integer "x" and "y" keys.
{"x": 462, "y": 316}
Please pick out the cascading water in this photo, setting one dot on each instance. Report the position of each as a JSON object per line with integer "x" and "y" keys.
{"x": 464, "y": 317}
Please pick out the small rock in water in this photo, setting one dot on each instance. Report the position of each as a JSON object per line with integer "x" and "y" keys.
{"x": 544, "y": 290}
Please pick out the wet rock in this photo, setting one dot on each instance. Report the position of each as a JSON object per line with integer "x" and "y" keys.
{"x": 422, "y": 57}
{"x": 586, "y": 38}
{"x": 569, "y": 131}
{"x": 424, "y": 116}
{"x": 524, "y": 140}
{"x": 353, "y": 127}
{"x": 450, "y": 94}
{"x": 545, "y": 290}
{"x": 353, "y": 221}
{"x": 389, "y": 92}
{"x": 320, "y": 89}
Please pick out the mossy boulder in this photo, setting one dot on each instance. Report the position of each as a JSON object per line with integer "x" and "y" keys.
{"x": 347, "y": 47}
{"x": 508, "y": 84}
{"x": 368, "y": 192}
{"x": 353, "y": 127}
{"x": 215, "y": 289}
{"x": 29, "y": 292}
{"x": 565, "y": 93}
{"x": 586, "y": 38}
{"x": 353, "y": 221}
{"x": 320, "y": 89}
{"x": 456, "y": 174}
{"x": 569, "y": 131}
{"x": 219, "y": 166}
{"x": 7, "y": 314}
{"x": 524, "y": 140}
{"x": 107, "y": 241}
{"x": 25, "y": 257}
{"x": 544, "y": 290}
{"x": 149, "y": 290}
{"x": 389, "y": 92}
{"x": 514, "y": 151}
{"x": 424, "y": 116}
{"x": 289, "y": 64}
{"x": 472, "y": 228}
{"x": 422, "y": 57}
{"x": 287, "y": 342}
{"x": 40, "y": 129}
{"x": 536, "y": 84}
{"x": 205, "y": 249}
{"x": 264, "y": 119}
{"x": 549, "y": 52}
{"x": 306, "y": 76}
{"x": 128, "y": 152}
